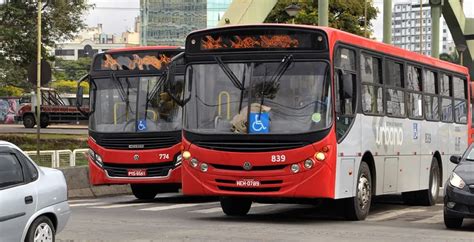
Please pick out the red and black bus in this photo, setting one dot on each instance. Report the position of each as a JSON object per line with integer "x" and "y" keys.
{"x": 134, "y": 124}
{"x": 303, "y": 112}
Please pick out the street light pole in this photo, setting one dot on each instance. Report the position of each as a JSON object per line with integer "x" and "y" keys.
{"x": 421, "y": 26}
{"x": 365, "y": 19}
{"x": 38, "y": 85}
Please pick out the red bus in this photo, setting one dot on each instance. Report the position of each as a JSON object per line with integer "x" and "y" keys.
{"x": 302, "y": 112}
{"x": 134, "y": 124}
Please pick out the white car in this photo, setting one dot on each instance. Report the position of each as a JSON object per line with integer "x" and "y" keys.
{"x": 33, "y": 199}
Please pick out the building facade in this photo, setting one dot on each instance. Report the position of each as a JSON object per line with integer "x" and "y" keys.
{"x": 168, "y": 22}
{"x": 406, "y": 28}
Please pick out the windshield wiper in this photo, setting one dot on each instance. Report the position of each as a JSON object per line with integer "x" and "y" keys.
{"x": 149, "y": 95}
{"x": 281, "y": 69}
{"x": 124, "y": 96}
{"x": 229, "y": 73}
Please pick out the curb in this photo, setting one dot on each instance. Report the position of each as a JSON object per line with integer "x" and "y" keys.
{"x": 77, "y": 179}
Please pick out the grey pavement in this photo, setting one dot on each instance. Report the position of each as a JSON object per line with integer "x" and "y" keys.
{"x": 172, "y": 217}
{"x": 52, "y": 129}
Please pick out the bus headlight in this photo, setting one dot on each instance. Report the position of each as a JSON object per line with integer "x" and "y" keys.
{"x": 186, "y": 155}
{"x": 308, "y": 164}
{"x": 295, "y": 168}
{"x": 98, "y": 160}
{"x": 457, "y": 181}
{"x": 204, "y": 167}
{"x": 320, "y": 156}
{"x": 194, "y": 162}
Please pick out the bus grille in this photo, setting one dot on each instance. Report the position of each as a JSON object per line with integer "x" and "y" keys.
{"x": 250, "y": 146}
{"x": 153, "y": 170}
{"x": 138, "y": 143}
{"x": 255, "y": 168}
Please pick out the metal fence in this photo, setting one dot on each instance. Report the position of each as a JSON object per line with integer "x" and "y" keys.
{"x": 59, "y": 158}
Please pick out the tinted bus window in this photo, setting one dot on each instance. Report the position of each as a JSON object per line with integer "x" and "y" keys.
{"x": 395, "y": 102}
{"x": 431, "y": 108}
{"x": 370, "y": 69}
{"x": 372, "y": 94}
{"x": 345, "y": 59}
{"x": 444, "y": 85}
{"x": 395, "y": 74}
{"x": 413, "y": 78}
{"x": 459, "y": 88}
{"x": 430, "y": 82}
{"x": 446, "y": 109}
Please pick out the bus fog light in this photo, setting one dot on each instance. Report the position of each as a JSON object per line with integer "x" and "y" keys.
{"x": 194, "y": 162}
{"x": 320, "y": 156}
{"x": 295, "y": 168}
{"x": 308, "y": 164}
{"x": 204, "y": 167}
{"x": 186, "y": 155}
{"x": 450, "y": 204}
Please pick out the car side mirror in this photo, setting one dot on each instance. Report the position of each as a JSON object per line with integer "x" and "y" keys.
{"x": 455, "y": 159}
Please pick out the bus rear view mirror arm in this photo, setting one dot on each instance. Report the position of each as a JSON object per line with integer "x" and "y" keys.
{"x": 80, "y": 96}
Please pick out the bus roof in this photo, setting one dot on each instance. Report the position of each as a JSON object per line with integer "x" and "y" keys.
{"x": 144, "y": 48}
{"x": 336, "y": 35}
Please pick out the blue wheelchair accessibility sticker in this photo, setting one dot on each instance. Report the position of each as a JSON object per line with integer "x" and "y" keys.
{"x": 259, "y": 123}
{"x": 141, "y": 125}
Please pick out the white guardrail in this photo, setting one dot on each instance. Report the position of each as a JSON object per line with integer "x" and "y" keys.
{"x": 56, "y": 156}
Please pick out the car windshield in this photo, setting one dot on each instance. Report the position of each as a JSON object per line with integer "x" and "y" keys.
{"x": 280, "y": 97}
{"x": 469, "y": 154}
{"x": 133, "y": 104}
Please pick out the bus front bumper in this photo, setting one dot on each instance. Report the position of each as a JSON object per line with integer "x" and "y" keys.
{"x": 99, "y": 176}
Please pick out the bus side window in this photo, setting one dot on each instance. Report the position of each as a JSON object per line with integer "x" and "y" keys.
{"x": 345, "y": 89}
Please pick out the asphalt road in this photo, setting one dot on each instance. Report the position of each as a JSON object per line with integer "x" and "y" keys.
{"x": 53, "y": 129}
{"x": 172, "y": 217}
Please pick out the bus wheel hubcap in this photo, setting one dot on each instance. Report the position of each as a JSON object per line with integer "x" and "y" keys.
{"x": 363, "y": 192}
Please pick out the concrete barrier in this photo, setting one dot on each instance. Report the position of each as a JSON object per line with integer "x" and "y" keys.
{"x": 77, "y": 179}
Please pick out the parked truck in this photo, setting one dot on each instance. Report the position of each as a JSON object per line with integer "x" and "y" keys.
{"x": 55, "y": 108}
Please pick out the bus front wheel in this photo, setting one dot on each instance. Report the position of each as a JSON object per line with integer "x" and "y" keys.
{"x": 235, "y": 206}
{"x": 145, "y": 192}
{"x": 357, "y": 208}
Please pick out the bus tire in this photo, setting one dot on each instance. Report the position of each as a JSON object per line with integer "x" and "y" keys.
{"x": 235, "y": 206}
{"x": 357, "y": 208}
{"x": 144, "y": 192}
{"x": 428, "y": 196}
{"x": 29, "y": 121}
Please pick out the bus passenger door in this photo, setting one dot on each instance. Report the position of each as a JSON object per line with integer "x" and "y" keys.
{"x": 345, "y": 89}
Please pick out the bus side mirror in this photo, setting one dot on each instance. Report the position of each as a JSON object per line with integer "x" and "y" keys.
{"x": 80, "y": 96}
{"x": 455, "y": 159}
{"x": 175, "y": 79}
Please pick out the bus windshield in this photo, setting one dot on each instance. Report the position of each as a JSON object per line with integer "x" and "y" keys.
{"x": 133, "y": 104}
{"x": 273, "y": 97}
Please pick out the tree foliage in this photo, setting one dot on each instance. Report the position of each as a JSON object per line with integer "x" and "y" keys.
{"x": 11, "y": 91}
{"x": 61, "y": 20}
{"x": 71, "y": 69}
{"x": 450, "y": 57}
{"x": 347, "y": 15}
{"x": 69, "y": 86}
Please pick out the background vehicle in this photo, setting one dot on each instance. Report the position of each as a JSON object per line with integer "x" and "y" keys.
{"x": 134, "y": 125}
{"x": 33, "y": 200}
{"x": 55, "y": 108}
{"x": 279, "y": 111}
{"x": 459, "y": 190}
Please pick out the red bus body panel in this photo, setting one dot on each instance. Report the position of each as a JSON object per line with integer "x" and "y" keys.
{"x": 98, "y": 176}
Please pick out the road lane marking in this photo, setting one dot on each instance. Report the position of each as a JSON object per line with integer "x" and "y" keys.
{"x": 86, "y": 204}
{"x": 184, "y": 205}
{"x": 393, "y": 214}
{"x": 121, "y": 205}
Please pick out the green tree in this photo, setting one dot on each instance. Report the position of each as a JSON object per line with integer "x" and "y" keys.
{"x": 69, "y": 86}
{"x": 71, "y": 69}
{"x": 11, "y": 91}
{"x": 61, "y": 20}
{"x": 347, "y": 15}
{"x": 450, "y": 57}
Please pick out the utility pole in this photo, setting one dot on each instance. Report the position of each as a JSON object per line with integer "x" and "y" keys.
{"x": 421, "y": 26}
{"x": 387, "y": 21}
{"x": 365, "y": 19}
{"x": 323, "y": 9}
{"x": 38, "y": 86}
{"x": 435, "y": 32}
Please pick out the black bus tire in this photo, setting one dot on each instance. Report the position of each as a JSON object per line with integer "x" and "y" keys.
{"x": 29, "y": 121}
{"x": 235, "y": 206}
{"x": 357, "y": 208}
{"x": 144, "y": 192}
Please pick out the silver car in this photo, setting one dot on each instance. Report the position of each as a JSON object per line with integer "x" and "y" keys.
{"x": 33, "y": 199}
